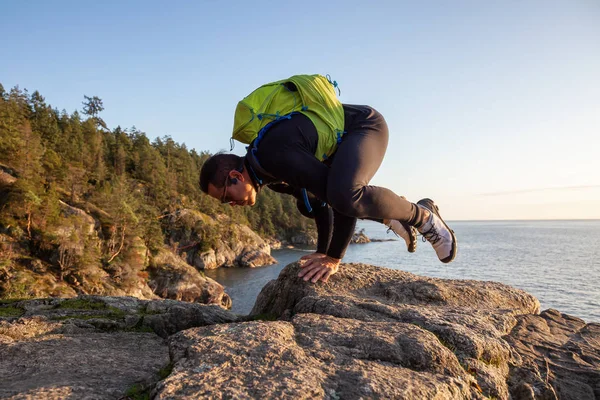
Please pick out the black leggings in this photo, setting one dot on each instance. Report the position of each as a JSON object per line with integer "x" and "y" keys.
{"x": 287, "y": 152}
{"x": 355, "y": 163}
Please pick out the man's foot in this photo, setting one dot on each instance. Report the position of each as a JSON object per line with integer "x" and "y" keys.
{"x": 437, "y": 232}
{"x": 405, "y": 231}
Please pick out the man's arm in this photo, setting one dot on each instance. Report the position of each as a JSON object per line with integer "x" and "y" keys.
{"x": 321, "y": 212}
{"x": 323, "y": 215}
{"x": 343, "y": 229}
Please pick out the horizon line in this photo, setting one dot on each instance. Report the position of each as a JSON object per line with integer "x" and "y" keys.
{"x": 523, "y": 220}
{"x": 539, "y": 190}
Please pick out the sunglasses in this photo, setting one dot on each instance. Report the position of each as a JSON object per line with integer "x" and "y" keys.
{"x": 224, "y": 195}
{"x": 224, "y": 199}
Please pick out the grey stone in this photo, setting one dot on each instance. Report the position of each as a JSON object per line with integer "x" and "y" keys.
{"x": 80, "y": 366}
{"x": 173, "y": 278}
{"x": 368, "y": 333}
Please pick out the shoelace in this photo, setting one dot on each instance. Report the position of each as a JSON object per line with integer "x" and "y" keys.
{"x": 432, "y": 235}
{"x": 393, "y": 231}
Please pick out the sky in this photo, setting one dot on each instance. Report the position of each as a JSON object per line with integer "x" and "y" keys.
{"x": 493, "y": 107}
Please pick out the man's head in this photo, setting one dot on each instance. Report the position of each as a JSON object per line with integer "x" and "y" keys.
{"x": 224, "y": 177}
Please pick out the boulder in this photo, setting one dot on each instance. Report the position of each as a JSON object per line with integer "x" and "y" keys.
{"x": 274, "y": 243}
{"x": 205, "y": 260}
{"x": 368, "y": 333}
{"x": 559, "y": 357}
{"x": 173, "y": 278}
{"x": 492, "y": 330}
{"x": 360, "y": 237}
{"x": 255, "y": 258}
{"x": 78, "y": 219}
{"x": 313, "y": 357}
{"x": 8, "y": 176}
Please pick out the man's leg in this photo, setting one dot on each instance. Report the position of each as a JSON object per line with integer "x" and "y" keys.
{"x": 357, "y": 159}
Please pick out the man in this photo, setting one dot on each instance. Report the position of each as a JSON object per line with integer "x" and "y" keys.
{"x": 338, "y": 186}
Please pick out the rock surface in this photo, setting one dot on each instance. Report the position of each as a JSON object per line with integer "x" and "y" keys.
{"x": 560, "y": 356}
{"x": 7, "y": 176}
{"x": 232, "y": 244}
{"x": 368, "y": 333}
{"x": 76, "y": 366}
{"x": 172, "y": 278}
{"x": 91, "y": 347}
{"x": 360, "y": 237}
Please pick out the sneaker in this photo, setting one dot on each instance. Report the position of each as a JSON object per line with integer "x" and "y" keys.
{"x": 406, "y": 232}
{"x": 438, "y": 233}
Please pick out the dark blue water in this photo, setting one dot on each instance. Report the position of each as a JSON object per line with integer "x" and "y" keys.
{"x": 556, "y": 261}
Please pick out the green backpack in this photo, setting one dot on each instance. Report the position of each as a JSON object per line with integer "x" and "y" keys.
{"x": 311, "y": 95}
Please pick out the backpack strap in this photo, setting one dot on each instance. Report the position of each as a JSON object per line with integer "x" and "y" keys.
{"x": 258, "y": 173}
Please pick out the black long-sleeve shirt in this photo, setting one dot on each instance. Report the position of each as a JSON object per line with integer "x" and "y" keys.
{"x": 287, "y": 152}
{"x": 321, "y": 212}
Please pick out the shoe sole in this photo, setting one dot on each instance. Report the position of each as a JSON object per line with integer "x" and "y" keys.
{"x": 431, "y": 206}
{"x": 412, "y": 247}
{"x": 412, "y": 231}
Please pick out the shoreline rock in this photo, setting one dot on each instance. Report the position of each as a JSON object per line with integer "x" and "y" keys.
{"x": 91, "y": 346}
{"x": 369, "y": 332}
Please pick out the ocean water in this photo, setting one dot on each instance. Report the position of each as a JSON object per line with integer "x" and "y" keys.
{"x": 556, "y": 261}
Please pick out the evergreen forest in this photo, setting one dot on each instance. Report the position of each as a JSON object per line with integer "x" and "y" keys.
{"x": 58, "y": 168}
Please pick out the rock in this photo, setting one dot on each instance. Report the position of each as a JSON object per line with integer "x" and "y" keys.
{"x": 8, "y": 176}
{"x": 205, "y": 260}
{"x": 313, "y": 356}
{"x": 303, "y": 239}
{"x": 79, "y": 221}
{"x": 274, "y": 243}
{"x": 467, "y": 317}
{"x": 368, "y": 333}
{"x": 231, "y": 244}
{"x": 6, "y": 179}
{"x": 255, "y": 258}
{"x": 559, "y": 357}
{"x": 58, "y": 366}
{"x": 91, "y": 347}
{"x": 173, "y": 278}
{"x": 103, "y": 313}
{"x": 360, "y": 237}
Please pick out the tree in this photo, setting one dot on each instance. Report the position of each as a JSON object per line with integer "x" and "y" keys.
{"x": 44, "y": 120}
{"x": 93, "y": 106}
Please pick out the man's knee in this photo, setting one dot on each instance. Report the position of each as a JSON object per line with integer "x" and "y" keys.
{"x": 346, "y": 201}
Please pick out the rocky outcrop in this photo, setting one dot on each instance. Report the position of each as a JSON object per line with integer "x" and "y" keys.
{"x": 368, "y": 333}
{"x": 172, "y": 278}
{"x": 379, "y": 333}
{"x": 209, "y": 243}
{"x": 73, "y": 264}
{"x": 79, "y": 221}
{"x": 8, "y": 176}
{"x": 360, "y": 237}
{"x": 304, "y": 239}
{"x": 559, "y": 357}
{"x": 91, "y": 347}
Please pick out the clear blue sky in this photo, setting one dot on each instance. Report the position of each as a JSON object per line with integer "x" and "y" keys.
{"x": 493, "y": 106}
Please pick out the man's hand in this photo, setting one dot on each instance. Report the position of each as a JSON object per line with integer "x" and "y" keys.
{"x": 322, "y": 267}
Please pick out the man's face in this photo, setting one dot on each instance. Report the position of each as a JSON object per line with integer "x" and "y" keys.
{"x": 240, "y": 193}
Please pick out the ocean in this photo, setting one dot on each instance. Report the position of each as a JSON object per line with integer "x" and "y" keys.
{"x": 556, "y": 261}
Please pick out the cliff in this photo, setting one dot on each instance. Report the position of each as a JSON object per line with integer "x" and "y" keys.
{"x": 83, "y": 254}
{"x": 369, "y": 333}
